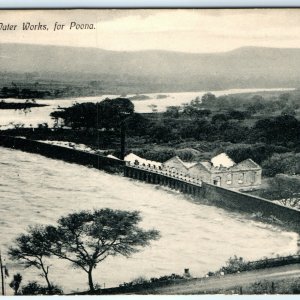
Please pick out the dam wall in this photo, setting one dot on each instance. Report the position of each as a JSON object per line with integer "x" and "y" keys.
{"x": 66, "y": 154}
{"x": 225, "y": 198}
{"x": 234, "y": 200}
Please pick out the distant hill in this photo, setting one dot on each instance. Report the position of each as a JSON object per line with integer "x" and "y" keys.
{"x": 157, "y": 70}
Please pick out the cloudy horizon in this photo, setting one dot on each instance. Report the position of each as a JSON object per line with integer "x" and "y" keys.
{"x": 183, "y": 30}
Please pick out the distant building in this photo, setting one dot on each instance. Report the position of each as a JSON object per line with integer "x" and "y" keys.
{"x": 221, "y": 171}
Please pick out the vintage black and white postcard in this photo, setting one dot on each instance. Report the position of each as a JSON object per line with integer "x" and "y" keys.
{"x": 149, "y": 151}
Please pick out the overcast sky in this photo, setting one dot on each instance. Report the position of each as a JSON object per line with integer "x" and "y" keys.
{"x": 177, "y": 30}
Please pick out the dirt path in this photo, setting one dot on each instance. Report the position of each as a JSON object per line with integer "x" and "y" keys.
{"x": 229, "y": 281}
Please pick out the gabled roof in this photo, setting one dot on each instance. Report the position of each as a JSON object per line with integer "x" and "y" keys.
{"x": 222, "y": 160}
{"x": 206, "y": 165}
{"x": 176, "y": 158}
{"x": 187, "y": 165}
{"x": 246, "y": 165}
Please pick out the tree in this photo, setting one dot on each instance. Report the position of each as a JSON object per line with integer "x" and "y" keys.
{"x": 16, "y": 282}
{"x": 281, "y": 129}
{"x": 107, "y": 114}
{"x": 32, "y": 249}
{"x": 88, "y": 237}
{"x": 234, "y": 265}
{"x": 236, "y": 114}
{"x": 172, "y": 112}
{"x": 111, "y": 113}
{"x": 162, "y": 132}
{"x": 284, "y": 189}
{"x": 219, "y": 118}
{"x": 137, "y": 124}
{"x": 288, "y": 111}
{"x": 208, "y": 99}
{"x": 153, "y": 108}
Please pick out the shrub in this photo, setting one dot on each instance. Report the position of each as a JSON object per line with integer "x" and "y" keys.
{"x": 34, "y": 288}
{"x": 262, "y": 287}
{"x": 235, "y": 264}
{"x": 287, "y": 163}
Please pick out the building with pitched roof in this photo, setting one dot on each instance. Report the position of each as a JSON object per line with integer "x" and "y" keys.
{"x": 221, "y": 171}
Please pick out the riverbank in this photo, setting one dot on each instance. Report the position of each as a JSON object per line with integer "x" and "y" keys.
{"x": 18, "y": 105}
{"x": 236, "y": 278}
{"x": 278, "y": 280}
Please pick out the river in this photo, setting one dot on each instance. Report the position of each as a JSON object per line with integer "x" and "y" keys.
{"x": 38, "y": 190}
{"x": 39, "y": 115}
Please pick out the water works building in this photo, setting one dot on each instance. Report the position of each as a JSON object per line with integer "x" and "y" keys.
{"x": 221, "y": 171}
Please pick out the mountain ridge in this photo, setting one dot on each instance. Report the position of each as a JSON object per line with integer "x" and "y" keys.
{"x": 248, "y": 66}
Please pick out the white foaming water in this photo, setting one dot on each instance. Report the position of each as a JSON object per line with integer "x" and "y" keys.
{"x": 38, "y": 190}
{"x": 39, "y": 115}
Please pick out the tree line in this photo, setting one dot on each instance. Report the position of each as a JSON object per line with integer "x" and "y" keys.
{"x": 241, "y": 122}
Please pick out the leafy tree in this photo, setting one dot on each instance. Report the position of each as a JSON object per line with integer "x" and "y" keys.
{"x": 31, "y": 249}
{"x": 189, "y": 131}
{"x": 284, "y": 98}
{"x": 153, "y": 108}
{"x": 162, "y": 133}
{"x": 86, "y": 238}
{"x": 288, "y": 111}
{"x": 287, "y": 163}
{"x": 105, "y": 114}
{"x": 16, "y": 282}
{"x": 219, "y": 118}
{"x": 256, "y": 104}
{"x": 172, "y": 112}
{"x": 208, "y": 99}
{"x": 236, "y": 114}
{"x": 235, "y": 264}
{"x": 110, "y": 113}
{"x": 281, "y": 129}
{"x": 137, "y": 124}
{"x": 285, "y": 189}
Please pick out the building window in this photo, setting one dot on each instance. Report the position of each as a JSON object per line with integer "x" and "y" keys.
{"x": 253, "y": 179}
{"x": 217, "y": 181}
{"x": 229, "y": 179}
{"x": 241, "y": 178}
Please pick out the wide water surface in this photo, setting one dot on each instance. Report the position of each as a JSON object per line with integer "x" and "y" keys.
{"x": 38, "y": 190}
{"x": 39, "y": 115}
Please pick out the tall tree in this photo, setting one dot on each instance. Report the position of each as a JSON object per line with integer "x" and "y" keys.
{"x": 88, "y": 237}
{"x": 107, "y": 114}
{"x": 31, "y": 249}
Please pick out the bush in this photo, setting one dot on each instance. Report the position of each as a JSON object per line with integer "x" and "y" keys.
{"x": 156, "y": 155}
{"x": 257, "y": 152}
{"x": 262, "y": 287}
{"x": 143, "y": 282}
{"x": 187, "y": 154}
{"x": 286, "y": 163}
{"x": 235, "y": 264}
{"x": 34, "y": 288}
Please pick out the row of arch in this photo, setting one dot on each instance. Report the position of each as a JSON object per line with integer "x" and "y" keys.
{"x": 185, "y": 186}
